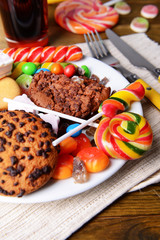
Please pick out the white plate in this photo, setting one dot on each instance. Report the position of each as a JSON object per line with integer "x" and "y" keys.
{"x": 61, "y": 189}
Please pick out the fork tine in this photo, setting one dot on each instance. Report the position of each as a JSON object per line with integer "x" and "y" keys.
{"x": 103, "y": 46}
{"x": 86, "y": 39}
{"x": 93, "y": 46}
{"x": 98, "y": 47}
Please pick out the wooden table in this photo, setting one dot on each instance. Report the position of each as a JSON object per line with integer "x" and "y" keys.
{"x": 135, "y": 216}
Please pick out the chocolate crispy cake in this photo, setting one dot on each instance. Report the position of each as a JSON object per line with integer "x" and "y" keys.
{"x": 77, "y": 96}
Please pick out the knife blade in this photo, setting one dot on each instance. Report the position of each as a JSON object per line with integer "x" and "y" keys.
{"x": 134, "y": 57}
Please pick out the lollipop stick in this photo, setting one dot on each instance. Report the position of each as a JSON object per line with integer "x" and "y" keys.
{"x": 87, "y": 122}
{"x": 62, "y": 115}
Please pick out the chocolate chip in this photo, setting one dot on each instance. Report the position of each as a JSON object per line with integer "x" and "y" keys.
{"x": 12, "y": 114}
{"x": 1, "y": 129}
{"x": 34, "y": 119}
{"x": 14, "y": 160}
{"x": 25, "y": 149}
{"x": 39, "y": 152}
{"x": 30, "y": 157}
{"x": 29, "y": 119}
{"x": 11, "y": 126}
{"x": 16, "y": 147}
{"x": 21, "y": 124}
{"x": 34, "y": 127}
{"x": 12, "y": 192}
{"x": 8, "y": 134}
{"x": 12, "y": 171}
{"x": 44, "y": 134}
{"x": 46, "y": 169}
{"x": 47, "y": 143}
{"x": 1, "y": 159}
{"x": 2, "y": 140}
{"x": 4, "y": 173}
{"x": 26, "y": 115}
{"x": 31, "y": 139}
{"x": 20, "y": 168}
{"x": 9, "y": 143}
{"x": 46, "y": 125}
{"x": 2, "y": 148}
{"x": 22, "y": 192}
{"x": 20, "y": 137}
{"x": 41, "y": 144}
{"x": 1, "y": 116}
{"x": 16, "y": 119}
{"x": 2, "y": 181}
{"x": 48, "y": 149}
{"x": 4, "y": 121}
{"x": 15, "y": 184}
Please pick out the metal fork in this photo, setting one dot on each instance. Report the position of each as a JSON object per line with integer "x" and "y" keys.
{"x": 99, "y": 50}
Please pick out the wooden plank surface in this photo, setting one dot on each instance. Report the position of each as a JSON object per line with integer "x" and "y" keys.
{"x": 135, "y": 216}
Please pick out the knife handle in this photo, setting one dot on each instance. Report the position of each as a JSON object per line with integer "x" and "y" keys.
{"x": 151, "y": 94}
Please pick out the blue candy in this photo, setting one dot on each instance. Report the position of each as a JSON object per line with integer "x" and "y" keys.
{"x": 43, "y": 69}
{"x": 71, "y": 127}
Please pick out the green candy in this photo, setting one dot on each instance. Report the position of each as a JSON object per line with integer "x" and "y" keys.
{"x": 87, "y": 72}
{"x": 24, "y": 81}
{"x": 29, "y": 68}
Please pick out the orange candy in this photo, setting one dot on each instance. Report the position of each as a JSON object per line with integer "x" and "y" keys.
{"x": 64, "y": 167}
{"x": 95, "y": 160}
{"x": 82, "y": 142}
{"x": 68, "y": 145}
{"x": 57, "y": 68}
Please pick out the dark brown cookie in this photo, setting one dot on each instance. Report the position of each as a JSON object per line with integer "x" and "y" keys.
{"x": 76, "y": 96}
{"x": 27, "y": 156}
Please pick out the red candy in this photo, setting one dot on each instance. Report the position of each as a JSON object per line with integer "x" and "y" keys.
{"x": 45, "y": 54}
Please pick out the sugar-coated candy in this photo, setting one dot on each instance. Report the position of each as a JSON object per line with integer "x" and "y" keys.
{"x": 42, "y": 69}
{"x": 149, "y": 11}
{"x": 80, "y": 16}
{"x": 126, "y": 136}
{"x": 139, "y": 24}
{"x": 45, "y": 54}
{"x": 29, "y": 68}
{"x": 121, "y": 100}
{"x": 71, "y": 127}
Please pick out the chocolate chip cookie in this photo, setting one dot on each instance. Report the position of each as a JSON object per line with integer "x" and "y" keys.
{"x": 27, "y": 156}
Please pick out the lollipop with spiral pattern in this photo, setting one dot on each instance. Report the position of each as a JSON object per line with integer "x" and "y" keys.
{"x": 126, "y": 136}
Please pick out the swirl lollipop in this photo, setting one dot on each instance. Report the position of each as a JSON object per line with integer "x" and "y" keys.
{"x": 121, "y": 100}
{"x": 126, "y": 136}
{"x": 80, "y": 16}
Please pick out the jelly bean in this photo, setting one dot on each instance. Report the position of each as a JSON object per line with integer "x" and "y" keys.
{"x": 82, "y": 142}
{"x": 71, "y": 127}
{"x": 87, "y": 72}
{"x": 29, "y": 68}
{"x": 42, "y": 69}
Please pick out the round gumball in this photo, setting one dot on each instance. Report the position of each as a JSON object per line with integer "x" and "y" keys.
{"x": 42, "y": 69}
{"x": 29, "y": 68}
{"x": 71, "y": 127}
{"x": 149, "y": 11}
{"x": 57, "y": 68}
{"x": 139, "y": 24}
{"x": 69, "y": 70}
{"x": 87, "y": 72}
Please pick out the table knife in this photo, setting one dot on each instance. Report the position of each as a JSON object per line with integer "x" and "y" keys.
{"x": 134, "y": 57}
